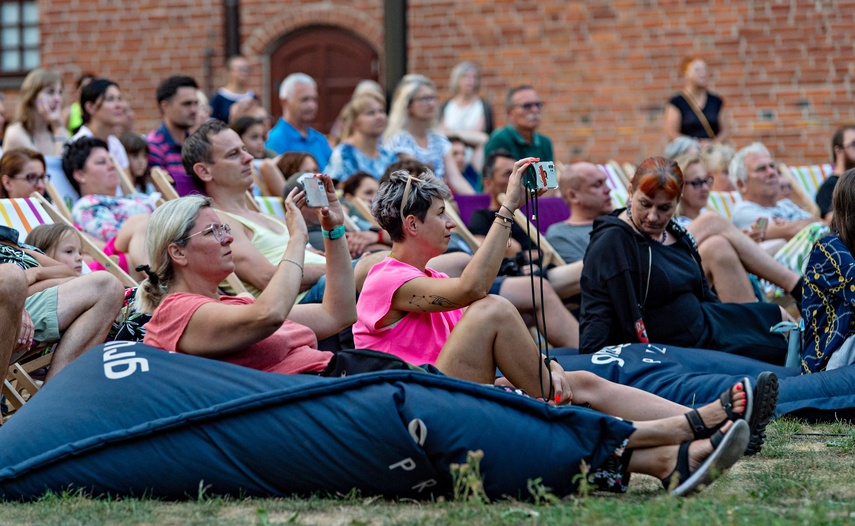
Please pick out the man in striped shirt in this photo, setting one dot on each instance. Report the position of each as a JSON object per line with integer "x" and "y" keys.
{"x": 177, "y": 101}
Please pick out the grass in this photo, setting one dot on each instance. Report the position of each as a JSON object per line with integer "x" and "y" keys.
{"x": 803, "y": 476}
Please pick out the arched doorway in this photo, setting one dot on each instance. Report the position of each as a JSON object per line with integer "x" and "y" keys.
{"x": 336, "y": 58}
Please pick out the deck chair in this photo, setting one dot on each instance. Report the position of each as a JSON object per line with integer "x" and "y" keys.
{"x": 125, "y": 181}
{"x": 724, "y": 202}
{"x": 804, "y": 191}
{"x": 163, "y": 182}
{"x": 59, "y": 189}
{"x": 365, "y": 210}
{"x": 468, "y": 204}
{"x": 25, "y": 214}
{"x": 620, "y": 172}
{"x": 629, "y": 171}
{"x": 551, "y": 210}
{"x": 550, "y": 255}
{"x": 619, "y": 192}
{"x": 260, "y": 186}
{"x": 808, "y": 178}
{"x": 460, "y": 227}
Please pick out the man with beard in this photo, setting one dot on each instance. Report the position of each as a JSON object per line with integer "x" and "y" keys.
{"x": 178, "y": 104}
{"x": 298, "y": 95}
{"x": 843, "y": 156}
{"x": 519, "y": 136}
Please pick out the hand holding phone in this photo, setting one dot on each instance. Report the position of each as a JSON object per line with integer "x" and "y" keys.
{"x": 316, "y": 194}
{"x": 761, "y": 224}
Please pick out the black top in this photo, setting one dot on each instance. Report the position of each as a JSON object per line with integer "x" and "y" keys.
{"x": 616, "y": 295}
{"x": 823, "y": 195}
{"x": 690, "y": 124}
{"x": 481, "y": 221}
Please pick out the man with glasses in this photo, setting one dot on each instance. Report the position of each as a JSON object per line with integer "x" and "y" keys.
{"x": 519, "y": 137}
{"x": 843, "y": 157}
{"x": 757, "y": 178}
{"x": 298, "y": 95}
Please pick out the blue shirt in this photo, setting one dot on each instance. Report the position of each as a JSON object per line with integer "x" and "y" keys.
{"x": 285, "y": 138}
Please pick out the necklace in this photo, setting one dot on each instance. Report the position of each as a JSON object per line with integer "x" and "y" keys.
{"x": 631, "y": 220}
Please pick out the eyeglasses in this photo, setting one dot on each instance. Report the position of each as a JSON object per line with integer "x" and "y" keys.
{"x": 531, "y": 106}
{"x": 220, "y": 230}
{"x": 697, "y": 184}
{"x": 34, "y": 179}
{"x": 850, "y": 145}
{"x": 426, "y": 99}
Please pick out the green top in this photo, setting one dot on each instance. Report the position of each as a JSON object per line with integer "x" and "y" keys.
{"x": 75, "y": 117}
{"x": 508, "y": 139}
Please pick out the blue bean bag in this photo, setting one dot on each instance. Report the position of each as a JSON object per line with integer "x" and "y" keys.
{"x": 128, "y": 419}
{"x": 694, "y": 377}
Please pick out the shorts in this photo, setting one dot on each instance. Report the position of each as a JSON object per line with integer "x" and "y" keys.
{"x": 110, "y": 250}
{"x": 42, "y": 308}
{"x": 497, "y": 285}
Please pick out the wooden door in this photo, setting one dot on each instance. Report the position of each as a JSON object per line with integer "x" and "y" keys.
{"x": 336, "y": 58}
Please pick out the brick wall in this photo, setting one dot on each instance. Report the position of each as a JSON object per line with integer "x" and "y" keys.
{"x": 605, "y": 68}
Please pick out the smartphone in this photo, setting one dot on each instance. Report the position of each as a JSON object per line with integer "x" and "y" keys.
{"x": 316, "y": 194}
{"x": 543, "y": 176}
{"x": 761, "y": 224}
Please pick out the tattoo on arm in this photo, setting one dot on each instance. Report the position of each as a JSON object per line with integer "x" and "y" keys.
{"x": 420, "y": 301}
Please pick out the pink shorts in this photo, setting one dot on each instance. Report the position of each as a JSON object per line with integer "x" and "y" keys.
{"x": 110, "y": 250}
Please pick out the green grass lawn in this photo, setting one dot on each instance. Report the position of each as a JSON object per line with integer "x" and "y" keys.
{"x": 804, "y": 475}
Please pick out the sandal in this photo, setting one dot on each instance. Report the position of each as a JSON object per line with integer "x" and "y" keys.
{"x": 727, "y": 449}
{"x": 701, "y": 430}
{"x": 765, "y": 398}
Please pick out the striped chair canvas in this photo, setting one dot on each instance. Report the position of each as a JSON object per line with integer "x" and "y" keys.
{"x": 620, "y": 195}
{"x": 811, "y": 177}
{"x": 723, "y": 202}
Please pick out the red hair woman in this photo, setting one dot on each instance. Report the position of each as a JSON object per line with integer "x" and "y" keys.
{"x": 643, "y": 281}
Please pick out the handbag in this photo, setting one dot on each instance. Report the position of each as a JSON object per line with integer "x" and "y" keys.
{"x": 347, "y": 362}
{"x": 698, "y": 113}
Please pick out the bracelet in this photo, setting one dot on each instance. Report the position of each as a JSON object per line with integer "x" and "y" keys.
{"x": 333, "y": 234}
{"x": 507, "y": 221}
{"x": 502, "y": 224}
{"x": 289, "y": 260}
{"x": 509, "y": 210}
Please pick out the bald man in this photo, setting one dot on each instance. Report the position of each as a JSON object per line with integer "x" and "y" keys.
{"x": 583, "y": 187}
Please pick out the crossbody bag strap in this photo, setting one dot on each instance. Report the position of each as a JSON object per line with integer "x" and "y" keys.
{"x": 698, "y": 113}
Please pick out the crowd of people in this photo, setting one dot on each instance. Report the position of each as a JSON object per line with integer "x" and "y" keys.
{"x": 663, "y": 269}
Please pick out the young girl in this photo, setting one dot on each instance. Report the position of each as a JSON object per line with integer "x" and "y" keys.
{"x": 137, "y": 149}
{"x": 60, "y": 242}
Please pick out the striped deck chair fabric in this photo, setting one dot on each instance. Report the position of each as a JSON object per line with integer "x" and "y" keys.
{"x": 811, "y": 177}
{"x": 723, "y": 202}
{"x": 271, "y": 205}
{"x": 65, "y": 193}
{"x": 619, "y": 193}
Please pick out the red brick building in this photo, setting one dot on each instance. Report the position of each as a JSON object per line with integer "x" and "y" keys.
{"x": 604, "y": 67}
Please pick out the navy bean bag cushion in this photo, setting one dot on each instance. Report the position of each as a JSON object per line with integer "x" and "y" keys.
{"x": 694, "y": 377}
{"x": 128, "y": 419}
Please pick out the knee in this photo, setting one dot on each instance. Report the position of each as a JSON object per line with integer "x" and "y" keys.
{"x": 110, "y": 289}
{"x": 492, "y": 308}
{"x": 716, "y": 248}
{"x": 583, "y": 380}
{"x": 13, "y": 283}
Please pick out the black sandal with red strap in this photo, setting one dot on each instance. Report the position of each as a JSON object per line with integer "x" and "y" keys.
{"x": 701, "y": 430}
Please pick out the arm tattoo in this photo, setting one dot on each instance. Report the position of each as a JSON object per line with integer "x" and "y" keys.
{"x": 419, "y": 301}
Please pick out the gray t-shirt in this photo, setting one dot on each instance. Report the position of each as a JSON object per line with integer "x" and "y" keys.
{"x": 570, "y": 241}
{"x": 746, "y": 213}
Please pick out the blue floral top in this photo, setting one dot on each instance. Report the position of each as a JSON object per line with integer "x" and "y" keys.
{"x": 434, "y": 155}
{"x": 346, "y": 160}
{"x": 828, "y": 303}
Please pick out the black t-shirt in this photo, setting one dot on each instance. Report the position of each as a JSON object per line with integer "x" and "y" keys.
{"x": 481, "y": 221}
{"x": 823, "y": 195}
